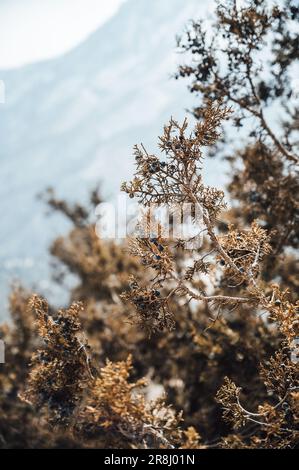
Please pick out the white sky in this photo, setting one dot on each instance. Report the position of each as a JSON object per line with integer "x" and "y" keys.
{"x": 31, "y": 30}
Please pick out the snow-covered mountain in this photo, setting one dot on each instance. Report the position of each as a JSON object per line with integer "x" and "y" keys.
{"x": 72, "y": 121}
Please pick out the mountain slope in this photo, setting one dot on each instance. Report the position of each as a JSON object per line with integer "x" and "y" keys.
{"x": 72, "y": 121}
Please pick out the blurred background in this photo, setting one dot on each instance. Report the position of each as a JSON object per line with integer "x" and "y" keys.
{"x": 84, "y": 81}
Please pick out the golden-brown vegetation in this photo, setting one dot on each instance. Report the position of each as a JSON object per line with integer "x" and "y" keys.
{"x": 215, "y": 326}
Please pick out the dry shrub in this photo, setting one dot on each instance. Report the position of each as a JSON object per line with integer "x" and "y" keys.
{"x": 213, "y": 327}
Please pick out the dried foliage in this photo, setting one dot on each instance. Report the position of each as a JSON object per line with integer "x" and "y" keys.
{"x": 116, "y": 409}
{"x": 176, "y": 334}
{"x": 62, "y": 369}
{"x": 250, "y": 64}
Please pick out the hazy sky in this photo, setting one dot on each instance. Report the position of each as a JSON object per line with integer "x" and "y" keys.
{"x": 32, "y": 30}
